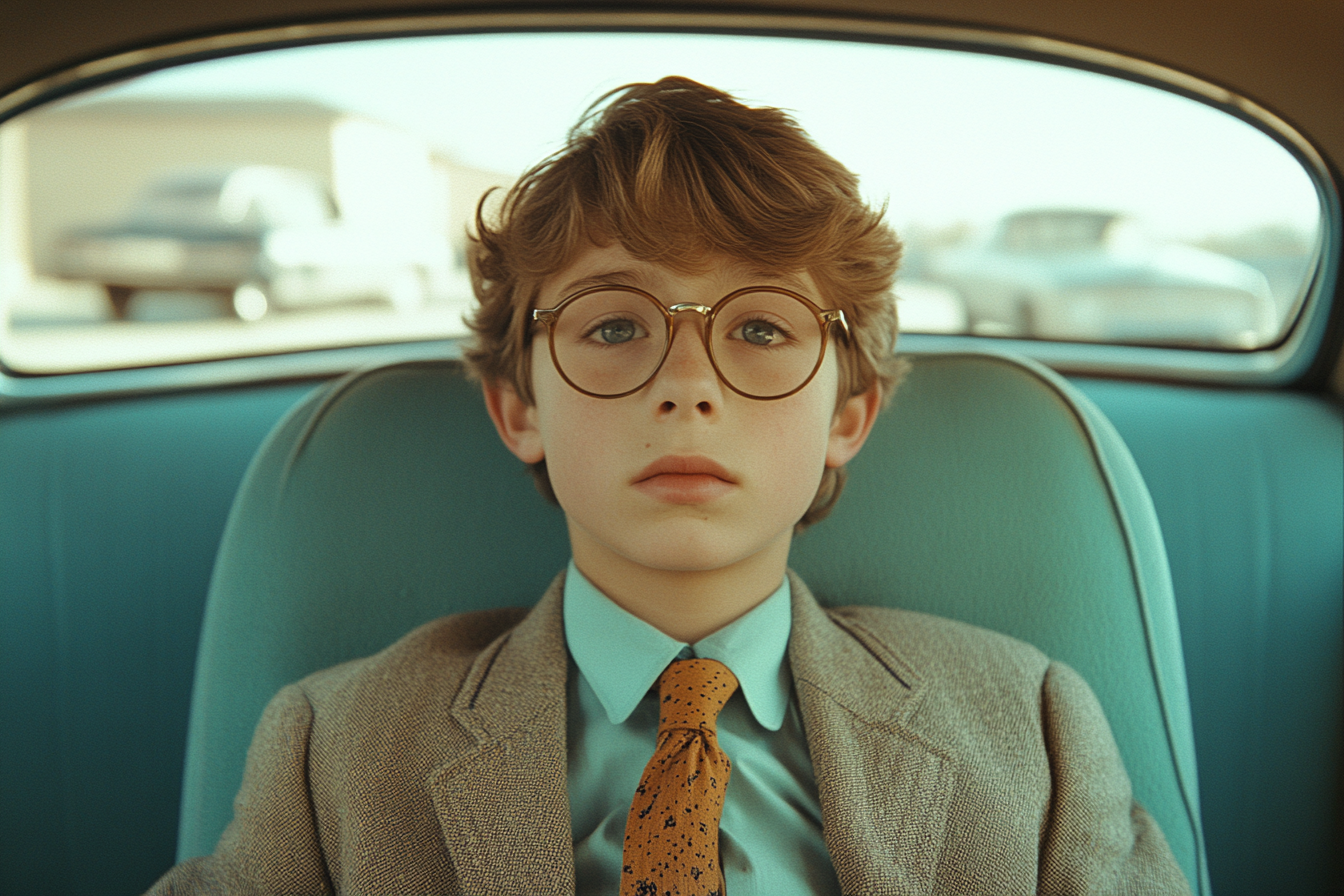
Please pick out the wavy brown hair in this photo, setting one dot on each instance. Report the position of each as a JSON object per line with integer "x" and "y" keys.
{"x": 676, "y": 171}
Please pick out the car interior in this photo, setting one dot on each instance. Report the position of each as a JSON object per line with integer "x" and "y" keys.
{"x": 237, "y": 452}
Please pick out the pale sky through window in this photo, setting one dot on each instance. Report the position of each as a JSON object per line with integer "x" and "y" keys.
{"x": 943, "y": 136}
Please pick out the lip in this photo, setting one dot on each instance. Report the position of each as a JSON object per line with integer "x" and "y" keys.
{"x": 684, "y": 479}
{"x": 685, "y": 465}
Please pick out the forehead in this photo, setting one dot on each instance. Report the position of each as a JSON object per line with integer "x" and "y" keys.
{"x": 709, "y": 273}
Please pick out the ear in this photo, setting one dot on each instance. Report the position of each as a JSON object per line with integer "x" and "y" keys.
{"x": 515, "y": 420}
{"x": 850, "y": 427}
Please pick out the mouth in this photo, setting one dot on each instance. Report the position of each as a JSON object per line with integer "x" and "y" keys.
{"x": 684, "y": 465}
{"x": 678, "y": 479}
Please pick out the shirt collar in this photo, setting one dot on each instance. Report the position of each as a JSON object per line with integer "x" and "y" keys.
{"x": 621, "y": 655}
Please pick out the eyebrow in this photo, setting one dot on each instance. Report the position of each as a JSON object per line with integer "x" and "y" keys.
{"x": 776, "y": 278}
{"x": 605, "y": 278}
{"x": 627, "y": 277}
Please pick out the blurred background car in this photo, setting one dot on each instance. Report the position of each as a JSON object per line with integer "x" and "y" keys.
{"x": 1095, "y": 275}
{"x": 261, "y": 238}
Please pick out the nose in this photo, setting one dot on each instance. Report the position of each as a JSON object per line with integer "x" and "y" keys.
{"x": 687, "y": 380}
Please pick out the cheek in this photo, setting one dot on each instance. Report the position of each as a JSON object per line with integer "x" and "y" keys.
{"x": 814, "y": 414}
{"x": 577, "y": 438}
{"x": 801, "y": 448}
{"x": 795, "y": 433}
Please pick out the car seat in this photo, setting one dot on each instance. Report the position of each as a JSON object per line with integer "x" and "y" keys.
{"x": 991, "y": 491}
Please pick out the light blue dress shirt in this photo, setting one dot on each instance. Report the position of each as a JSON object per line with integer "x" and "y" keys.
{"x": 770, "y": 837}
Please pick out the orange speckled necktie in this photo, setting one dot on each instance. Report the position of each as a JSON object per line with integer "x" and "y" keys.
{"x": 672, "y": 834}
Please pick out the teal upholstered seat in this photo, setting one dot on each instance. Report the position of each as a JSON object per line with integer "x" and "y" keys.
{"x": 991, "y": 492}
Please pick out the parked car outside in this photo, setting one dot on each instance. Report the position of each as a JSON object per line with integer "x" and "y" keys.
{"x": 262, "y": 238}
{"x": 1095, "y": 275}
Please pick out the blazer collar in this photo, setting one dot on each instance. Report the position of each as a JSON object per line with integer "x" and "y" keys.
{"x": 884, "y": 792}
{"x": 504, "y": 805}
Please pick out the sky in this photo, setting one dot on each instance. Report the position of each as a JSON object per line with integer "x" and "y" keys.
{"x": 941, "y": 136}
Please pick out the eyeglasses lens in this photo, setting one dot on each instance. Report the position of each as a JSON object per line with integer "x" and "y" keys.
{"x": 610, "y": 342}
{"x": 766, "y": 343}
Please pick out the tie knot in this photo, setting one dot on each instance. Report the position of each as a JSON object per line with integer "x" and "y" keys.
{"x": 691, "y": 693}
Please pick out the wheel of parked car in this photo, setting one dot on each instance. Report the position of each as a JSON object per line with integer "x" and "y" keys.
{"x": 1027, "y": 316}
{"x": 119, "y": 297}
{"x": 251, "y": 301}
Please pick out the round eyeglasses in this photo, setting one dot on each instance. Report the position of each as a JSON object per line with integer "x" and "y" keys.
{"x": 765, "y": 342}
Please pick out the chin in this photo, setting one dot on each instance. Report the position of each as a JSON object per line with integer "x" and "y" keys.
{"x": 701, "y": 548}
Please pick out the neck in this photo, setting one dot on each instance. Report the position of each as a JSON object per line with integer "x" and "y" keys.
{"x": 686, "y": 604}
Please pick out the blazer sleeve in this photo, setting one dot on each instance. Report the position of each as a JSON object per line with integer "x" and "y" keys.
{"x": 1097, "y": 839}
{"x": 271, "y": 846}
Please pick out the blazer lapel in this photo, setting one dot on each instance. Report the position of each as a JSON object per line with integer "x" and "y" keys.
{"x": 504, "y": 806}
{"x": 884, "y": 792}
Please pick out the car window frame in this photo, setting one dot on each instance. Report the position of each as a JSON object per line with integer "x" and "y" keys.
{"x": 1308, "y": 349}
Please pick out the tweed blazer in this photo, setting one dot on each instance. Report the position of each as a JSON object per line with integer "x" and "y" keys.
{"x": 948, "y": 760}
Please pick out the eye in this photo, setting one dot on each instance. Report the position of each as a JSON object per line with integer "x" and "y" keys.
{"x": 759, "y": 331}
{"x": 615, "y": 331}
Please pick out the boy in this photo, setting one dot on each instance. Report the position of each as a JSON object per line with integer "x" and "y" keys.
{"x": 686, "y": 329}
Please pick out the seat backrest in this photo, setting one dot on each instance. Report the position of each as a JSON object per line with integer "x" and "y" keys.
{"x": 991, "y": 491}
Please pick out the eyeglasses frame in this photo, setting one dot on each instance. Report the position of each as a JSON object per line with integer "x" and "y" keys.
{"x": 825, "y": 319}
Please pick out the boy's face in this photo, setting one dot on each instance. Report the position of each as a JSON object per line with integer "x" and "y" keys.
{"x": 685, "y": 474}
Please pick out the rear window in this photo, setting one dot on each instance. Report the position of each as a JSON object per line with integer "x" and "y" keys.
{"x": 320, "y": 196}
